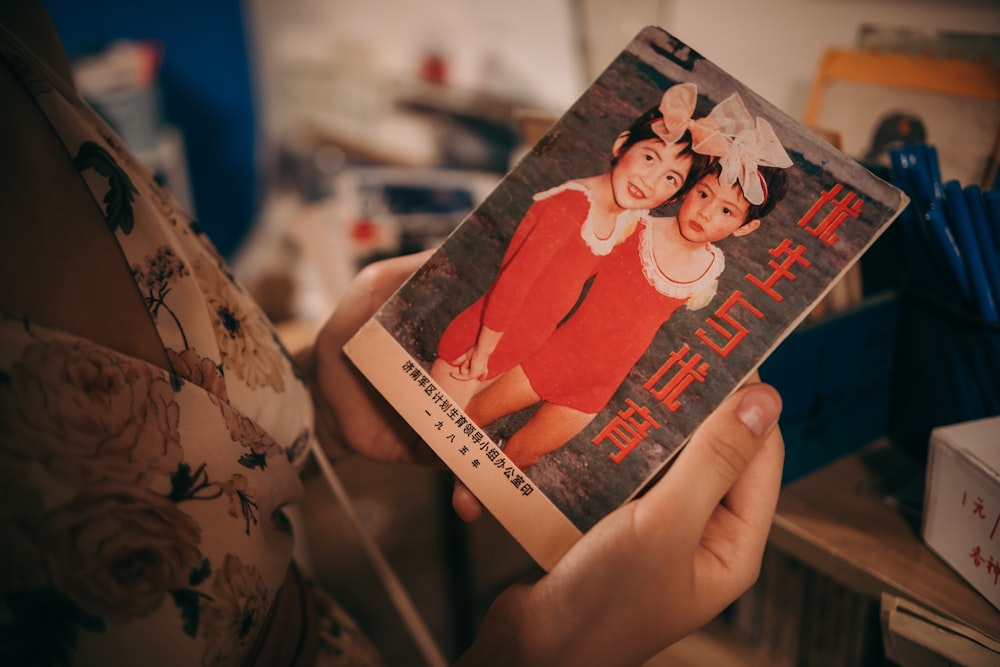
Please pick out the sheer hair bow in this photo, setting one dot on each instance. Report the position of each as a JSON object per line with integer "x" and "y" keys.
{"x": 742, "y": 145}
{"x": 677, "y": 107}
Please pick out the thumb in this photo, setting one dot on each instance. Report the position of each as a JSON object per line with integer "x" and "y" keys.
{"x": 371, "y": 287}
{"x": 719, "y": 451}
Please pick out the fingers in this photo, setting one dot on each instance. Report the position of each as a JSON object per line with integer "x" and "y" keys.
{"x": 372, "y": 287}
{"x": 737, "y": 534}
{"x": 466, "y": 505}
{"x": 720, "y": 452}
{"x": 754, "y": 496}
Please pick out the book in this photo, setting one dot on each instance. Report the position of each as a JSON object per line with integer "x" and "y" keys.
{"x": 915, "y": 635}
{"x": 623, "y": 357}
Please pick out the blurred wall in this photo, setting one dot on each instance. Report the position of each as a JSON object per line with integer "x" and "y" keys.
{"x": 527, "y": 49}
{"x": 223, "y": 58}
{"x": 773, "y": 46}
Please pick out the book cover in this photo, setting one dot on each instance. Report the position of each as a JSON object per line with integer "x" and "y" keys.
{"x": 562, "y": 344}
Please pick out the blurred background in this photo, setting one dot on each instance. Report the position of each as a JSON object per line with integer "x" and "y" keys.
{"x": 259, "y": 96}
{"x": 309, "y": 137}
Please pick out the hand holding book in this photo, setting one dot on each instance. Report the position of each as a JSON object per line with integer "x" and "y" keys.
{"x": 653, "y": 571}
{"x": 656, "y": 569}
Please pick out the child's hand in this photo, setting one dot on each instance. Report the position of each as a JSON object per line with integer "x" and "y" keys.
{"x": 476, "y": 365}
{"x": 463, "y": 365}
{"x": 657, "y": 568}
{"x": 473, "y": 365}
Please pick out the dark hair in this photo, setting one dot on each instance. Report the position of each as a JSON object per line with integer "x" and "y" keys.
{"x": 775, "y": 186}
{"x": 642, "y": 130}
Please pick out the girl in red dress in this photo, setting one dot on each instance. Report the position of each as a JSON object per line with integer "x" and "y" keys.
{"x": 667, "y": 263}
{"x": 559, "y": 241}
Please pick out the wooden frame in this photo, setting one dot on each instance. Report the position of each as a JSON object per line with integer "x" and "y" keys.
{"x": 956, "y": 101}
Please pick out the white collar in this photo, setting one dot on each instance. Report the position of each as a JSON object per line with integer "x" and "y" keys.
{"x": 666, "y": 285}
{"x": 625, "y": 222}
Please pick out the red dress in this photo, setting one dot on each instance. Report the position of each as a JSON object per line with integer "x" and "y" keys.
{"x": 583, "y": 363}
{"x": 550, "y": 256}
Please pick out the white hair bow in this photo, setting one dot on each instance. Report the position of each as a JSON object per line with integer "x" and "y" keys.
{"x": 730, "y": 133}
{"x": 676, "y": 106}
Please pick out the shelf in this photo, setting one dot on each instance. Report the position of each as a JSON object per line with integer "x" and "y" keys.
{"x": 832, "y": 521}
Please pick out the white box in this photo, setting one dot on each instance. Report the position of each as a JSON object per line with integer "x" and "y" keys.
{"x": 962, "y": 502}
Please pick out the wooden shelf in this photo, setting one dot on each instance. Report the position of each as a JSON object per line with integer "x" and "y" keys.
{"x": 832, "y": 521}
{"x": 712, "y": 645}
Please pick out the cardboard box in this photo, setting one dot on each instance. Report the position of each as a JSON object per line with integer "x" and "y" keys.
{"x": 962, "y": 502}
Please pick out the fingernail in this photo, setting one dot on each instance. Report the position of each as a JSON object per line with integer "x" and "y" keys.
{"x": 759, "y": 410}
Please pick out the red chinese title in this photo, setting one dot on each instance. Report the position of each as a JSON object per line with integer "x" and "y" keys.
{"x": 722, "y": 332}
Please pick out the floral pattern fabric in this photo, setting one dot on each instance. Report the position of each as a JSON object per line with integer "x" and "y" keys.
{"x": 142, "y": 507}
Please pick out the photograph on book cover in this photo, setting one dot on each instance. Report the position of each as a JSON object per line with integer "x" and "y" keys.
{"x": 634, "y": 267}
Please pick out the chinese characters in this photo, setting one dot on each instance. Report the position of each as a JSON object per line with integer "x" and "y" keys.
{"x": 459, "y": 431}
{"x": 728, "y": 325}
{"x": 977, "y": 556}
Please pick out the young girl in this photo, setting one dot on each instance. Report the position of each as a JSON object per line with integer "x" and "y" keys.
{"x": 558, "y": 243}
{"x": 637, "y": 287}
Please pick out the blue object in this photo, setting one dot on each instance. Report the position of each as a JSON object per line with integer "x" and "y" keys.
{"x": 934, "y": 166}
{"x": 916, "y": 165}
{"x": 932, "y": 255}
{"x": 947, "y": 370}
{"x": 948, "y": 248}
{"x": 207, "y": 93}
{"x": 991, "y": 199}
{"x": 960, "y": 221}
{"x": 981, "y": 228}
{"x": 835, "y": 378}
{"x": 918, "y": 252}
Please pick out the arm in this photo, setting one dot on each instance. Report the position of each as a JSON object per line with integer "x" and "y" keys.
{"x": 474, "y": 364}
{"x": 546, "y": 226}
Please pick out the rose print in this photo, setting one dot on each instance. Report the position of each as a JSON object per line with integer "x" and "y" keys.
{"x": 199, "y": 370}
{"x": 117, "y": 552}
{"x": 233, "y": 617}
{"x": 89, "y": 414}
{"x": 245, "y": 339}
{"x": 241, "y": 502}
{"x": 246, "y": 432}
{"x": 156, "y": 279}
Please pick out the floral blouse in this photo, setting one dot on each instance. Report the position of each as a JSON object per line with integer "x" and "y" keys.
{"x": 142, "y": 508}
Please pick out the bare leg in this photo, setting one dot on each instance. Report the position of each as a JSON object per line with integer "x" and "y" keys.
{"x": 507, "y": 394}
{"x": 551, "y": 427}
{"x": 461, "y": 391}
